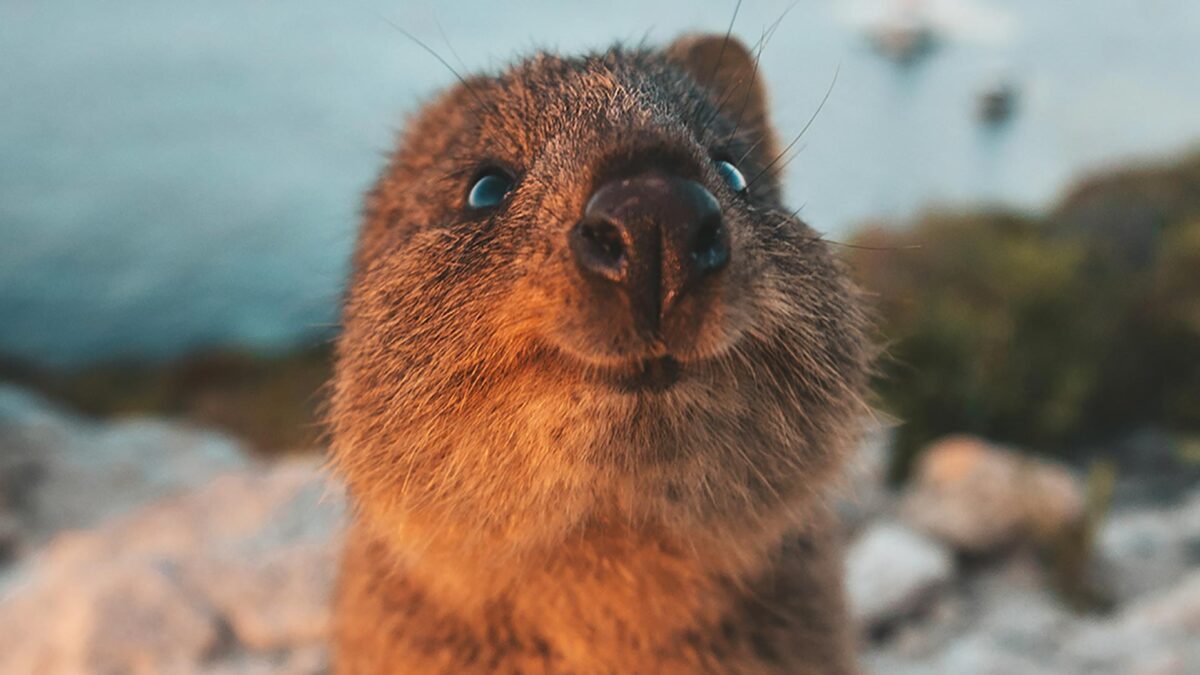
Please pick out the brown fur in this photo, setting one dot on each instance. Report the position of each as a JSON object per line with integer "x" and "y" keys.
{"x": 516, "y": 512}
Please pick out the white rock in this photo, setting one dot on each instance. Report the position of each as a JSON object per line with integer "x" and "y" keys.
{"x": 61, "y": 472}
{"x": 236, "y": 575}
{"x": 1146, "y": 549}
{"x": 1015, "y": 625}
{"x": 865, "y": 495}
{"x": 1157, "y": 634}
{"x": 1141, "y": 551}
{"x": 892, "y": 571}
{"x": 980, "y": 653}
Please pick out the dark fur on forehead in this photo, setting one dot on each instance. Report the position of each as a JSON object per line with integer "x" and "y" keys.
{"x": 723, "y": 109}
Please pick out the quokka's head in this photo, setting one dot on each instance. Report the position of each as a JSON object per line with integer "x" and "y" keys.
{"x": 578, "y": 297}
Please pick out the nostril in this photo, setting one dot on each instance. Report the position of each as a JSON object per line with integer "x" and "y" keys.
{"x": 599, "y": 248}
{"x": 709, "y": 250}
{"x": 605, "y": 240}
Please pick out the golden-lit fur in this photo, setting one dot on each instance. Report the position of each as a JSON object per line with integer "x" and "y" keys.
{"x": 516, "y": 511}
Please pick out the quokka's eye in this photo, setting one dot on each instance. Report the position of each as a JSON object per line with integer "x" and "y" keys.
{"x": 489, "y": 189}
{"x": 732, "y": 175}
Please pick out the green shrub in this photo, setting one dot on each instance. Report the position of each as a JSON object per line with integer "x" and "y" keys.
{"x": 1045, "y": 332}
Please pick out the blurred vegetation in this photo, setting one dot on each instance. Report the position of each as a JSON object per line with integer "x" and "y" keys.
{"x": 1072, "y": 555}
{"x": 1048, "y": 332}
{"x": 269, "y": 401}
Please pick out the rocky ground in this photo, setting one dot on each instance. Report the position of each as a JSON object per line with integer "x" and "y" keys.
{"x": 144, "y": 546}
{"x": 991, "y": 562}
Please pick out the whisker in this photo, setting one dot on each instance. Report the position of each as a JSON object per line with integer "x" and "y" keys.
{"x": 761, "y": 47}
{"x": 800, "y": 135}
{"x": 864, "y": 247}
{"x": 641, "y": 45}
{"x": 474, "y": 92}
{"x": 792, "y": 157}
{"x": 758, "y": 47}
{"x": 446, "y": 40}
{"x": 720, "y": 57}
{"x": 821, "y": 236}
{"x": 725, "y": 41}
{"x": 762, "y": 137}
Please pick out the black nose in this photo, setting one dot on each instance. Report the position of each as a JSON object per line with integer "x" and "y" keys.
{"x": 653, "y": 237}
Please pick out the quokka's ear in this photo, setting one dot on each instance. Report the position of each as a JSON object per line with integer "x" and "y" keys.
{"x": 727, "y": 69}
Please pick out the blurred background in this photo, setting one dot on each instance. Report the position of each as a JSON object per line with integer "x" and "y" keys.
{"x": 1016, "y": 184}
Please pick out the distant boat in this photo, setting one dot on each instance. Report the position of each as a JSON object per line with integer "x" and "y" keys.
{"x": 997, "y": 103}
{"x": 904, "y": 32}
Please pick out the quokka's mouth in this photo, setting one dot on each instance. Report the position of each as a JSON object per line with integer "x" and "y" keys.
{"x": 655, "y": 374}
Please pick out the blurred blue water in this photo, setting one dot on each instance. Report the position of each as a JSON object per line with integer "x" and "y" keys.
{"x": 175, "y": 174}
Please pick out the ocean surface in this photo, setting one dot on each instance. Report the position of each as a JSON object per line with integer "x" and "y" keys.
{"x": 183, "y": 175}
